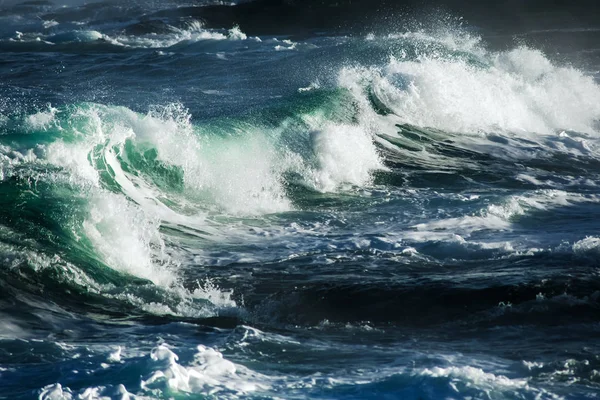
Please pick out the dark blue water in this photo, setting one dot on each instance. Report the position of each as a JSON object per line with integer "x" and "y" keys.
{"x": 286, "y": 200}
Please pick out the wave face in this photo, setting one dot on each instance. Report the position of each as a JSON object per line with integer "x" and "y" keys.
{"x": 206, "y": 200}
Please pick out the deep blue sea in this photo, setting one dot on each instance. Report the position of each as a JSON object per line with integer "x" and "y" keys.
{"x": 277, "y": 199}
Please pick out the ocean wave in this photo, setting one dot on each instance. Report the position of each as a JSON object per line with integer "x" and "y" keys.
{"x": 81, "y": 40}
{"x": 399, "y": 213}
{"x": 125, "y": 177}
{"x": 519, "y": 91}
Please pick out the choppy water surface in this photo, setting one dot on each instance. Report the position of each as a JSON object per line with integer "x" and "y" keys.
{"x": 189, "y": 210}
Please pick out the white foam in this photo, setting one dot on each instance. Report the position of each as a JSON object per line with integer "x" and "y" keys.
{"x": 56, "y": 392}
{"x": 127, "y": 238}
{"x": 345, "y": 154}
{"x": 107, "y": 393}
{"x": 73, "y": 157}
{"x": 208, "y": 290}
{"x": 239, "y": 173}
{"x": 450, "y": 37}
{"x": 42, "y": 119}
{"x": 236, "y": 34}
{"x": 76, "y": 36}
{"x": 168, "y": 40}
{"x": 194, "y": 32}
{"x": 210, "y": 373}
{"x": 313, "y": 86}
{"x": 50, "y": 24}
{"x": 290, "y": 46}
{"x": 242, "y": 176}
{"x": 115, "y": 357}
{"x": 464, "y": 226}
{"x": 10, "y": 158}
{"x": 465, "y": 379}
{"x": 511, "y": 95}
{"x": 516, "y": 91}
{"x": 590, "y": 246}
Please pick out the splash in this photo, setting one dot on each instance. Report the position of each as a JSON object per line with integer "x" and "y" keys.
{"x": 457, "y": 85}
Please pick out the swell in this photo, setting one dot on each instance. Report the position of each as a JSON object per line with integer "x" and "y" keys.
{"x": 419, "y": 296}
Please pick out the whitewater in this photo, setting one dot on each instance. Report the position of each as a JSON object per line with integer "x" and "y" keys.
{"x": 219, "y": 200}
